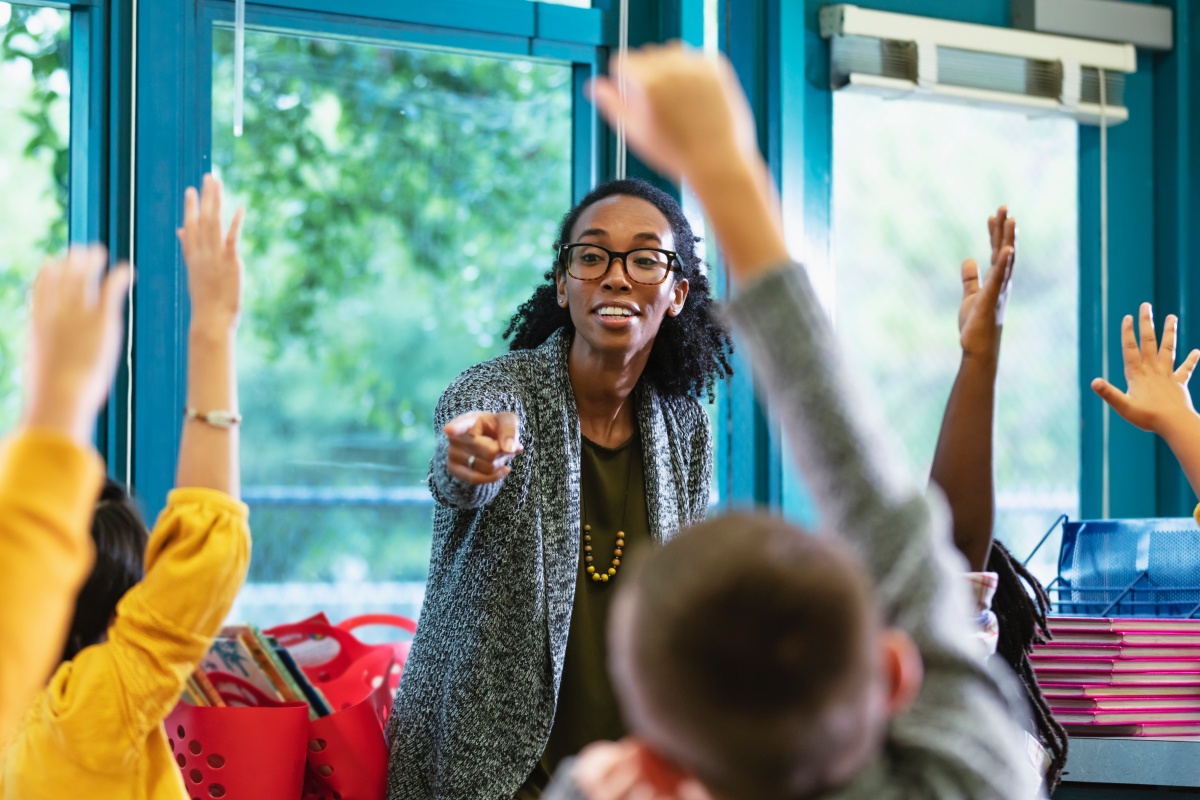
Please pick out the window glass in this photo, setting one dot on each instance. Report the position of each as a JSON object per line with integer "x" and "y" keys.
{"x": 402, "y": 203}
{"x": 914, "y": 183}
{"x": 35, "y": 102}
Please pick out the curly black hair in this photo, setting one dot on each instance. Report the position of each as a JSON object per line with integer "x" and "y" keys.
{"x": 692, "y": 349}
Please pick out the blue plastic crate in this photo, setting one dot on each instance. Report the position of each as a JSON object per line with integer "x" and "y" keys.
{"x": 1128, "y": 568}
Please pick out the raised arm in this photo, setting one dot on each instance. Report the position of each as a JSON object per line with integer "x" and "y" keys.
{"x": 686, "y": 115}
{"x": 1157, "y": 397}
{"x": 208, "y": 452}
{"x": 50, "y": 476}
{"x": 199, "y": 550}
{"x": 963, "y": 461}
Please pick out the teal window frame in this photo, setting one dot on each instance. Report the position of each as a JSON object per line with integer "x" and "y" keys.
{"x": 99, "y": 151}
{"x": 173, "y": 132}
{"x": 1154, "y": 244}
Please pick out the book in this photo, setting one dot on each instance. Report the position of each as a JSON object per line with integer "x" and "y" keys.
{"x": 1122, "y": 678}
{"x": 1148, "y": 704}
{"x": 1123, "y": 624}
{"x": 1047, "y": 663}
{"x": 316, "y": 698}
{"x": 1060, "y": 691}
{"x": 1130, "y": 716}
{"x": 229, "y": 654}
{"x": 1172, "y": 639}
{"x": 1088, "y": 650}
{"x": 204, "y": 686}
{"x": 1179, "y": 731}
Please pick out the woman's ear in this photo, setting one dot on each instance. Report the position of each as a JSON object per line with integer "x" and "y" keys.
{"x": 560, "y": 283}
{"x": 904, "y": 668}
{"x": 679, "y": 295}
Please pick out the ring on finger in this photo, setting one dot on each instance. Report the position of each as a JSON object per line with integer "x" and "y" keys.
{"x": 470, "y": 462}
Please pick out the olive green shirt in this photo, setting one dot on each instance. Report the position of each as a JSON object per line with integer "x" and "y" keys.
{"x": 613, "y": 498}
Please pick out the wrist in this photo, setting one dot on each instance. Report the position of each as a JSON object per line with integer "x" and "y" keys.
{"x": 212, "y": 330}
{"x": 1179, "y": 427}
{"x": 59, "y": 412}
{"x": 983, "y": 363}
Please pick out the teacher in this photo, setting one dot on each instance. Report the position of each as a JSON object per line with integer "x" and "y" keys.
{"x": 556, "y": 463}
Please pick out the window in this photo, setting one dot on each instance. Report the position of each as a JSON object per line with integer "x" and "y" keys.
{"x": 402, "y": 203}
{"x": 914, "y": 183}
{"x": 35, "y": 91}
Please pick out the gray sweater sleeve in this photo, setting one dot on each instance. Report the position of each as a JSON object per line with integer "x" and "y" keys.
{"x": 480, "y": 388}
{"x": 960, "y": 739}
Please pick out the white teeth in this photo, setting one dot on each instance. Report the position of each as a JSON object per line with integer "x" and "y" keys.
{"x": 614, "y": 311}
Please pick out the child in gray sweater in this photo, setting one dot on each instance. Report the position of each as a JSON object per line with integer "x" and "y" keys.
{"x": 753, "y": 660}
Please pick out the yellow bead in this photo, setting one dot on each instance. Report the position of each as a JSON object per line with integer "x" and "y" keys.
{"x": 604, "y": 578}
{"x": 591, "y": 570}
{"x": 588, "y": 559}
{"x": 612, "y": 571}
{"x": 620, "y": 542}
{"x": 616, "y": 562}
{"x": 618, "y": 552}
{"x": 587, "y": 527}
{"x": 587, "y": 537}
{"x": 587, "y": 548}
{"x": 598, "y": 576}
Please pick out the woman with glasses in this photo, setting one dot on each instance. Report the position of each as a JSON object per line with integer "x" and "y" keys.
{"x": 557, "y": 462}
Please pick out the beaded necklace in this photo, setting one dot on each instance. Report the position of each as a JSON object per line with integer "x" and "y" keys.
{"x": 602, "y": 574}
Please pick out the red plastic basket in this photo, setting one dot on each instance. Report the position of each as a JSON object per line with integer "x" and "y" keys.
{"x": 240, "y": 752}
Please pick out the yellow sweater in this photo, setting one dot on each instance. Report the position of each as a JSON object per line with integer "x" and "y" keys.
{"x": 96, "y": 731}
{"x": 48, "y": 488}
{"x": 1196, "y": 514}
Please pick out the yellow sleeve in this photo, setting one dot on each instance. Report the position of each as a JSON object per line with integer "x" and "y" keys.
{"x": 1196, "y": 514}
{"x": 48, "y": 489}
{"x": 104, "y": 703}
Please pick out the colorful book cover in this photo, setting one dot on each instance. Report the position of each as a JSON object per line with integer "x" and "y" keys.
{"x": 1054, "y": 678}
{"x": 1070, "y": 691}
{"x": 1049, "y": 663}
{"x": 316, "y": 698}
{"x": 229, "y": 654}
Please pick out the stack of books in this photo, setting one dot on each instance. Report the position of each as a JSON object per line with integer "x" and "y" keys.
{"x": 1122, "y": 677}
{"x": 244, "y": 667}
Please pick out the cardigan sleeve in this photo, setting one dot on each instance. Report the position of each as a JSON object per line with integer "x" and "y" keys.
{"x": 480, "y": 388}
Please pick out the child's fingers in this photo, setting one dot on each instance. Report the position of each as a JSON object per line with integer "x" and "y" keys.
{"x": 235, "y": 232}
{"x": 210, "y": 222}
{"x": 191, "y": 217}
{"x": 1146, "y": 329}
{"x": 1129, "y": 346}
{"x": 1166, "y": 349}
{"x": 607, "y": 98}
{"x": 116, "y": 289}
{"x": 1184, "y": 373}
{"x": 970, "y": 277}
{"x": 1111, "y": 395}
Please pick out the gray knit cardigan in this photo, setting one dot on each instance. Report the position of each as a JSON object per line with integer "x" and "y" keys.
{"x": 477, "y": 700}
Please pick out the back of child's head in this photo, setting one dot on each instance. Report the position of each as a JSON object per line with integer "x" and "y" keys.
{"x": 748, "y": 652}
{"x": 120, "y": 537}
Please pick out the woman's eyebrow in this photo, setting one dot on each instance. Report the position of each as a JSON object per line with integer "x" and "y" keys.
{"x": 645, "y": 236}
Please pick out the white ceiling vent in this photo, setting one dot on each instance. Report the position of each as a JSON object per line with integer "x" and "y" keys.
{"x": 895, "y": 55}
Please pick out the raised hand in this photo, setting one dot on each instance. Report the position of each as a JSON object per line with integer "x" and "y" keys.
{"x": 981, "y": 315}
{"x": 213, "y": 263}
{"x": 1157, "y": 398}
{"x": 629, "y": 770}
{"x": 680, "y": 109}
{"x": 482, "y": 444}
{"x": 75, "y": 334}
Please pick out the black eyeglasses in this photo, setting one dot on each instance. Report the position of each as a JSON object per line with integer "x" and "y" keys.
{"x": 649, "y": 266}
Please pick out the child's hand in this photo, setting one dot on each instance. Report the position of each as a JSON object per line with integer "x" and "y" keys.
{"x": 981, "y": 315}
{"x": 629, "y": 770}
{"x": 213, "y": 263}
{"x": 75, "y": 334}
{"x": 1158, "y": 397}
{"x": 482, "y": 444}
{"x": 683, "y": 112}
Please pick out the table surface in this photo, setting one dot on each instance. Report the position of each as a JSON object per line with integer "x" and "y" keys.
{"x": 1137, "y": 762}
